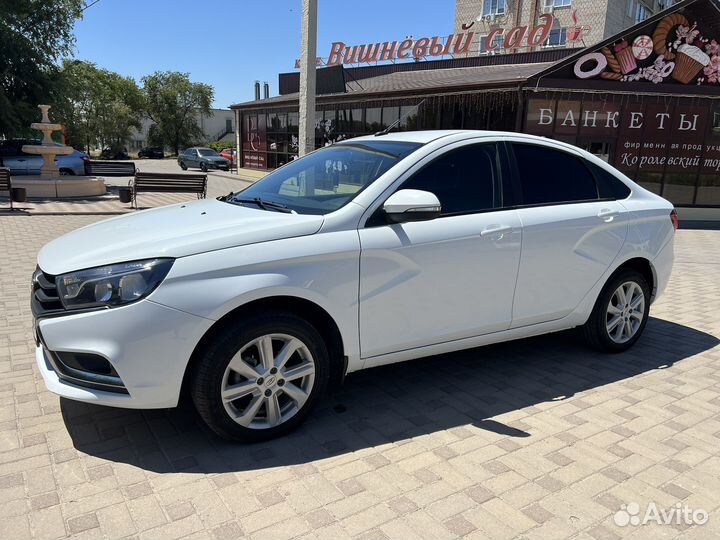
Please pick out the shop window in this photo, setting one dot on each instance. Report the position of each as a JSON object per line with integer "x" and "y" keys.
{"x": 493, "y": 7}
{"x": 556, "y": 38}
{"x": 650, "y": 181}
{"x": 293, "y": 122}
{"x": 708, "y": 191}
{"x": 557, "y": 3}
{"x": 349, "y": 121}
{"x": 464, "y": 180}
{"x": 679, "y": 188}
{"x": 409, "y": 118}
{"x": 373, "y": 119}
{"x": 390, "y": 115}
{"x": 541, "y": 183}
{"x": 716, "y": 122}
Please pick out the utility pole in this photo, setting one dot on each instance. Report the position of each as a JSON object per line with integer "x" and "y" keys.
{"x": 307, "y": 76}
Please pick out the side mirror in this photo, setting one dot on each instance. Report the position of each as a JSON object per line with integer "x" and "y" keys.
{"x": 412, "y": 205}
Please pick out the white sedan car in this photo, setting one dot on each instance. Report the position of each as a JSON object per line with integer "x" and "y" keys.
{"x": 376, "y": 250}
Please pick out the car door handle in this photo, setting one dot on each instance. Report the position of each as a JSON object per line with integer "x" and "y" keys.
{"x": 495, "y": 229}
{"x": 607, "y": 214}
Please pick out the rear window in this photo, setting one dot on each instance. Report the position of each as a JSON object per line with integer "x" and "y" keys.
{"x": 549, "y": 176}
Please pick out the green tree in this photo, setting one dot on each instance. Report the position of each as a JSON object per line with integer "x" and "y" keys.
{"x": 173, "y": 102}
{"x": 33, "y": 35}
{"x": 98, "y": 107}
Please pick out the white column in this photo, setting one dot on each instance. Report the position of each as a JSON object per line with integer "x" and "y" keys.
{"x": 307, "y": 76}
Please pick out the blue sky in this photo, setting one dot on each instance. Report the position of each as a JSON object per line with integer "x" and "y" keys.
{"x": 229, "y": 44}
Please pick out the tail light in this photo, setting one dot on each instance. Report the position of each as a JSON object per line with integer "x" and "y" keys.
{"x": 674, "y": 219}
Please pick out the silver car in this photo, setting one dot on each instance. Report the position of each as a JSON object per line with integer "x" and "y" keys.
{"x": 21, "y": 163}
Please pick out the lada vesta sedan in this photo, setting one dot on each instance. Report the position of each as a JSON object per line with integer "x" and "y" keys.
{"x": 375, "y": 250}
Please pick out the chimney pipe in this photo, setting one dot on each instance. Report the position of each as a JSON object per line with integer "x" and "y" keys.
{"x": 257, "y": 90}
{"x": 266, "y": 90}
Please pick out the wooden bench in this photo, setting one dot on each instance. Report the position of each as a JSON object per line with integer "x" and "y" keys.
{"x": 110, "y": 168}
{"x": 146, "y": 182}
{"x": 6, "y": 184}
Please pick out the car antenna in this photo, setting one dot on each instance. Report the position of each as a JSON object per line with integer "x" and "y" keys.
{"x": 396, "y": 122}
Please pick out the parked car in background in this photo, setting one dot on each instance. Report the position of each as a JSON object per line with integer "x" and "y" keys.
{"x": 229, "y": 153}
{"x": 203, "y": 159}
{"x": 114, "y": 153}
{"x": 152, "y": 152}
{"x": 371, "y": 251}
{"x": 21, "y": 163}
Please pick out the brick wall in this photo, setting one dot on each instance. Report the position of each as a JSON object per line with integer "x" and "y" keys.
{"x": 605, "y": 17}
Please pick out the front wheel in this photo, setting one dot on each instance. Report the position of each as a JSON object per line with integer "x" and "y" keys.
{"x": 261, "y": 377}
{"x": 620, "y": 313}
{"x": 203, "y": 167}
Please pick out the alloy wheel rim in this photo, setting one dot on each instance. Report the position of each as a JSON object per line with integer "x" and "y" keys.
{"x": 625, "y": 312}
{"x": 268, "y": 381}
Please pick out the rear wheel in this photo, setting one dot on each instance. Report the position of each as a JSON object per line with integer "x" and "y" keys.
{"x": 620, "y": 313}
{"x": 203, "y": 167}
{"x": 183, "y": 166}
{"x": 261, "y": 378}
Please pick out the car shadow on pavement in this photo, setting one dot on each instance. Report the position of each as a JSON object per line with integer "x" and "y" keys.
{"x": 392, "y": 404}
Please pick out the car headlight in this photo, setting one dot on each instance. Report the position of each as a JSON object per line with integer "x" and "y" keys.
{"x": 112, "y": 285}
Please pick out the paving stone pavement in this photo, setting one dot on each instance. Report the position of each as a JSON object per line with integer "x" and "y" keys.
{"x": 538, "y": 439}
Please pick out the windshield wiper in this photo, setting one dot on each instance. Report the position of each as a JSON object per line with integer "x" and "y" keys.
{"x": 265, "y": 205}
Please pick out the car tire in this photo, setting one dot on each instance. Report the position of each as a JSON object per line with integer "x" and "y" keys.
{"x": 203, "y": 167}
{"x": 263, "y": 406}
{"x": 619, "y": 318}
{"x": 183, "y": 166}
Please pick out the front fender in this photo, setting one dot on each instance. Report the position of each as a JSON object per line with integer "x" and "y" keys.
{"x": 321, "y": 268}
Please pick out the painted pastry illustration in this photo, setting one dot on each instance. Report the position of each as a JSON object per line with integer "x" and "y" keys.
{"x": 689, "y": 61}
{"x": 677, "y": 50}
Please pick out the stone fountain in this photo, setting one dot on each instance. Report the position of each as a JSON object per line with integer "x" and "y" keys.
{"x": 50, "y": 183}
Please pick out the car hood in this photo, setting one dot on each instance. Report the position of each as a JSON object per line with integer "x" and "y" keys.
{"x": 174, "y": 231}
{"x": 214, "y": 158}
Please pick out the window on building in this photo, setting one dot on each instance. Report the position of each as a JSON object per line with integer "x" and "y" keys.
{"x": 557, "y": 3}
{"x": 498, "y": 41}
{"x": 493, "y": 7}
{"x": 550, "y": 176}
{"x": 638, "y": 11}
{"x": 228, "y": 125}
{"x": 556, "y": 38}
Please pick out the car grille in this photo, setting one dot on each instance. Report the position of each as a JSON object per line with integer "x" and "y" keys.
{"x": 45, "y": 299}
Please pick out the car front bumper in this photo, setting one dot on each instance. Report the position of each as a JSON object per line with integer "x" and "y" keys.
{"x": 147, "y": 344}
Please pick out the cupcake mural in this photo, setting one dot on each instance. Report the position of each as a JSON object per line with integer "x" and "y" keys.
{"x": 689, "y": 62}
{"x": 676, "y": 50}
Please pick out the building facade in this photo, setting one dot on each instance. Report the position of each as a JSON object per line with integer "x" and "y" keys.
{"x": 646, "y": 99}
{"x": 574, "y": 23}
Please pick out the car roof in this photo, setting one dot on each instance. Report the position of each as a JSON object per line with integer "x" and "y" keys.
{"x": 426, "y": 136}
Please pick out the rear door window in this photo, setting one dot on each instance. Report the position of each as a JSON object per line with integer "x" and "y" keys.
{"x": 549, "y": 176}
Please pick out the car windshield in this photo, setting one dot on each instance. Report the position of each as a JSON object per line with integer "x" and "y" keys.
{"x": 207, "y": 152}
{"x": 327, "y": 179}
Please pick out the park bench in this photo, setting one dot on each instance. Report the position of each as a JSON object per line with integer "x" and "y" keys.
{"x": 147, "y": 182}
{"x": 6, "y": 184}
{"x": 110, "y": 168}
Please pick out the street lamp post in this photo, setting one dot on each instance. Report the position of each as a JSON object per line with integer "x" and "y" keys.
{"x": 307, "y": 76}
